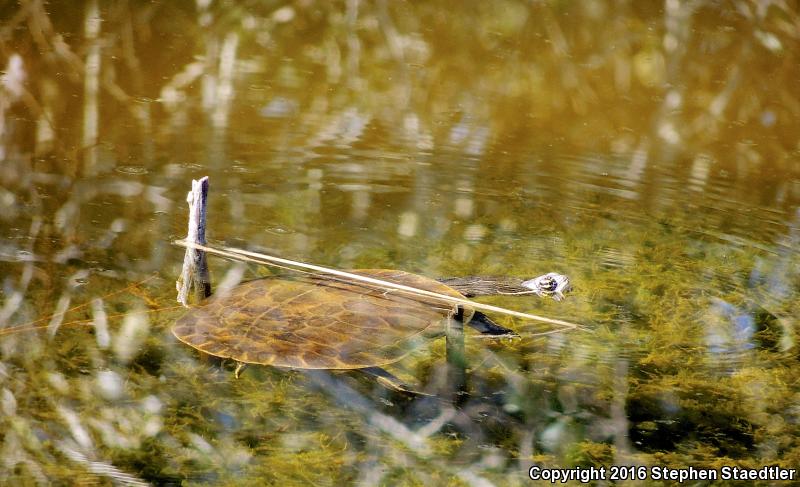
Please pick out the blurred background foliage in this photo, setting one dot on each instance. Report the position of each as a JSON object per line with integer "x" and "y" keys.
{"x": 596, "y": 75}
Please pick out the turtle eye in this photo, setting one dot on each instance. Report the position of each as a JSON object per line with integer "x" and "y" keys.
{"x": 562, "y": 284}
{"x": 548, "y": 284}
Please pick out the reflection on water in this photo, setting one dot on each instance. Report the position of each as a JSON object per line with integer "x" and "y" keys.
{"x": 647, "y": 151}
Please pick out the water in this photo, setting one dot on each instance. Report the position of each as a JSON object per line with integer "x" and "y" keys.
{"x": 648, "y": 153}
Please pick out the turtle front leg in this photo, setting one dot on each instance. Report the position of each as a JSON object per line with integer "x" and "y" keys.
{"x": 240, "y": 366}
{"x": 485, "y": 325}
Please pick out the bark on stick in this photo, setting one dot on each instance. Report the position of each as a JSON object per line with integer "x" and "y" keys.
{"x": 194, "y": 284}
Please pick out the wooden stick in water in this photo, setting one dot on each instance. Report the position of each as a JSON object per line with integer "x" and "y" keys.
{"x": 246, "y": 255}
{"x": 194, "y": 277}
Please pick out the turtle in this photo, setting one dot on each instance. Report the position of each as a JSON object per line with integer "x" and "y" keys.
{"x": 313, "y": 321}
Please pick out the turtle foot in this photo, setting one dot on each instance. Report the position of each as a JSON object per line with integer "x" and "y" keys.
{"x": 389, "y": 381}
{"x": 240, "y": 366}
{"x": 485, "y": 325}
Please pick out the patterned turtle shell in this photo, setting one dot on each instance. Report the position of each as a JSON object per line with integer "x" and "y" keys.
{"x": 313, "y": 322}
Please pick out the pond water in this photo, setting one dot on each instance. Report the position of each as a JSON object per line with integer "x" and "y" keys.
{"x": 649, "y": 152}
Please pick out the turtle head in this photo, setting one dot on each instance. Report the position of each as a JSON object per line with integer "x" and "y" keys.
{"x": 551, "y": 284}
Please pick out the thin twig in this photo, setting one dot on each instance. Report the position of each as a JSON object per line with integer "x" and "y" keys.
{"x": 84, "y": 322}
{"x": 31, "y": 325}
